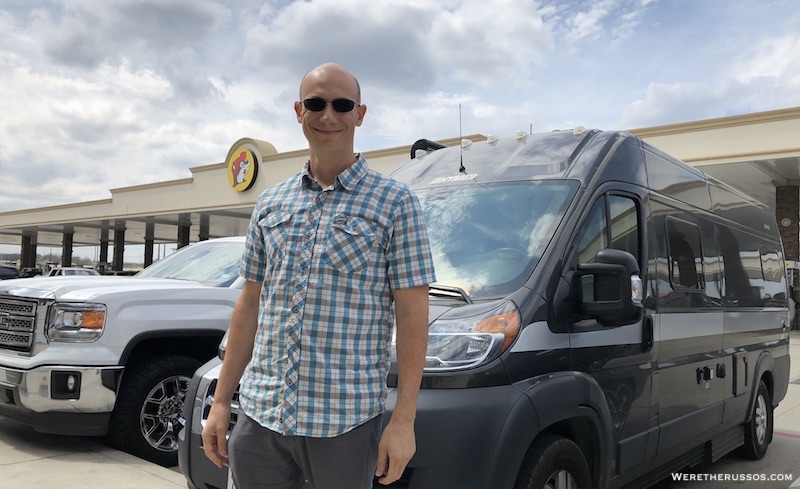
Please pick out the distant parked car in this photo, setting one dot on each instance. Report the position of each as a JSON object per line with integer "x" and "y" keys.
{"x": 72, "y": 271}
{"x": 30, "y": 272}
{"x": 8, "y": 271}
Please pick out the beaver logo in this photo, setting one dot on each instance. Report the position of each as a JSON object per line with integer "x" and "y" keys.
{"x": 242, "y": 168}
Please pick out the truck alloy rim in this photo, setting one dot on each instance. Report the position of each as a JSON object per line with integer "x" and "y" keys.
{"x": 162, "y": 407}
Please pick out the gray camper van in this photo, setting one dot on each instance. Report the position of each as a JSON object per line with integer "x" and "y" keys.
{"x": 605, "y": 315}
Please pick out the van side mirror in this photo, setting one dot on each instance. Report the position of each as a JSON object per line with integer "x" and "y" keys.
{"x": 610, "y": 289}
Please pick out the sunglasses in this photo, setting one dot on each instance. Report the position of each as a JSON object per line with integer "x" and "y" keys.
{"x": 316, "y": 104}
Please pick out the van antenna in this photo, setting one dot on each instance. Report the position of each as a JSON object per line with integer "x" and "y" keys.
{"x": 460, "y": 146}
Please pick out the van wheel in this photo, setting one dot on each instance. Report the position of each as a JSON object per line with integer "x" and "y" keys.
{"x": 758, "y": 431}
{"x": 145, "y": 421}
{"x": 554, "y": 462}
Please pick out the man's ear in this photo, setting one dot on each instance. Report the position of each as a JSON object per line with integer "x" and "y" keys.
{"x": 298, "y": 109}
{"x": 361, "y": 110}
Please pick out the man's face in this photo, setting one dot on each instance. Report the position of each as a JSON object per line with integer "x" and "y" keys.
{"x": 328, "y": 130}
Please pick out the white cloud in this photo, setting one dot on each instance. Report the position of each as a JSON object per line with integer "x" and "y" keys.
{"x": 100, "y": 94}
{"x": 777, "y": 57}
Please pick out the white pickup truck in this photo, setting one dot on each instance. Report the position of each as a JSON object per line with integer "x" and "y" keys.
{"x": 114, "y": 355}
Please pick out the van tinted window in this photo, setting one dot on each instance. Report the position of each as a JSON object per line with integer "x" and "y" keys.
{"x": 685, "y": 255}
{"x": 754, "y": 272}
{"x": 772, "y": 268}
{"x": 624, "y": 227}
{"x": 613, "y": 222}
{"x": 593, "y": 236}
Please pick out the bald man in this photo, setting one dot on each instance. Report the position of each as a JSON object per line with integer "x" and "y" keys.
{"x": 328, "y": 252}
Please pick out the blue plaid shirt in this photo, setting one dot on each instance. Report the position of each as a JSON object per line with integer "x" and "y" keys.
{"x": 328, "y": 260}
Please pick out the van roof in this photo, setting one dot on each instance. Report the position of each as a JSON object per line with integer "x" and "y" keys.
{"x": 520, "y": 157}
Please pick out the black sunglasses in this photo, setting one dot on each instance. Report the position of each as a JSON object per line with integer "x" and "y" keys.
{"x": 316, "y": 104}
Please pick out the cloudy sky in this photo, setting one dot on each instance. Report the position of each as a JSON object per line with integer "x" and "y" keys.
{"x": 100, "y": 94}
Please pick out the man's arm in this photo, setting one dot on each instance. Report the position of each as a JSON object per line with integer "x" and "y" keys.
{"x": 398, "y": 443}
{"x": 241, "y": 338}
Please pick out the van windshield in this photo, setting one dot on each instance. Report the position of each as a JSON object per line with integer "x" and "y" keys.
{"x": 488, "y": 238}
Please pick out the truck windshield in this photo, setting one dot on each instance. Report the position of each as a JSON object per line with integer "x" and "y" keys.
{"x": 487, "y": 239}
{"x": 212, "y": 263}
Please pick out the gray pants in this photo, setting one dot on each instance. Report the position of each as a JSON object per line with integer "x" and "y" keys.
{"x": 262, "y": 458}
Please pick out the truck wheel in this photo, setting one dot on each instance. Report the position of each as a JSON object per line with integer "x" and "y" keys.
{"x": 554, "y": 462}
{"x": 758, "y": 431}
{"x": 145, "y": 418}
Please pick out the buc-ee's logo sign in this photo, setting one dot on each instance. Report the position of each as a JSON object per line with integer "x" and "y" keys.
{"x": 242, "y": 169}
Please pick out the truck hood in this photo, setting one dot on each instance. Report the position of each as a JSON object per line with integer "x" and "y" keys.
{"x": 89, "y": 288}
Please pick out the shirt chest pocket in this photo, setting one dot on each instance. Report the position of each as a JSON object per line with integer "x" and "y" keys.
{"x": 350, "y": 245}
{"x": 275, "y": 228}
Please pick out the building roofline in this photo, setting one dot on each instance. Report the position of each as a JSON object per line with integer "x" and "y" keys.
{"x": 718, "y": 123}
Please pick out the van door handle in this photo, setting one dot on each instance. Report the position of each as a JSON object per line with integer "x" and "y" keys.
{"x": 647, "y": 333}
{"x": 704, "y": 374}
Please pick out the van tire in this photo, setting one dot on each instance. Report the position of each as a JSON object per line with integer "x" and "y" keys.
{"x": 552, "y": 462}
{"x": 145, "y": 418}
{"x": 758, "y": 431}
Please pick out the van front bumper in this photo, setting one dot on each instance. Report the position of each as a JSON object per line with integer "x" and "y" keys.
{"x": 466, "y": 438}
{"x": 199, "y": 471}
{"x": 60, "y": 399}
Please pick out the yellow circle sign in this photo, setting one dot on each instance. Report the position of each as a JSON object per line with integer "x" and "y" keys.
{"x": 242, "y": 169}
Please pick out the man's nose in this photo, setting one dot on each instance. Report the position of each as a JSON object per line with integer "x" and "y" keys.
{"x": 328, "y": 112}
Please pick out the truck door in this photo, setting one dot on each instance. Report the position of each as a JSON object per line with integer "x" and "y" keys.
{"x": 689, "y": 324}
{"x": 619, "y": 358}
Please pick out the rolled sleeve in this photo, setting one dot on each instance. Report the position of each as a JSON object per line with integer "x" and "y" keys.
{"x": 409, "y": 253}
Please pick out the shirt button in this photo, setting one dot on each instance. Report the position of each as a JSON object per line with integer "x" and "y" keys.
{"x": 289, "y": 382}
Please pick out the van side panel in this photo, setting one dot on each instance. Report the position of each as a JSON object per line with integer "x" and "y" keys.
{"x": 755, "y": 293}
{"x": 669, "y": 177}
{"x": 690, "y": 326}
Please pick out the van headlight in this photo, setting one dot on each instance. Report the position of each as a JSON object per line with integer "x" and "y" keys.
{"x": 76, "y": 322}
{"x": 459, "y": 343}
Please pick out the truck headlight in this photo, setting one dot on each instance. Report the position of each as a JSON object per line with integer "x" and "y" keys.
{"x": 76, "y": 322}
{"x": 460, "y": 343}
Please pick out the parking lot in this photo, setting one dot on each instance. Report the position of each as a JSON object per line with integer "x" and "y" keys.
{"x": 35, "y": 460}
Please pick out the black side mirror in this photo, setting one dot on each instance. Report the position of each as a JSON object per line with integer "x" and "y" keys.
{"x": 610, "y": 289}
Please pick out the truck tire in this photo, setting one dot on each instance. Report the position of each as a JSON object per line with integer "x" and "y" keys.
{"x": 145, "y": 421}
{"x": 554, "y": 462}
{"x": 758, "y": 431}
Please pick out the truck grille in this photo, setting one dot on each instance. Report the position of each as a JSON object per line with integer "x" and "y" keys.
{"x": 17, "y": 324}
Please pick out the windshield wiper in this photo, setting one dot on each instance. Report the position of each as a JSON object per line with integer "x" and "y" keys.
{"x": 449, "y": 291}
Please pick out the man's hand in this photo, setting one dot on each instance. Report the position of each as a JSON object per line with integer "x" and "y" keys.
{"x": 215, "y": 442}
{"x": 395, "y": 449}
{"x": 241, "y": 337}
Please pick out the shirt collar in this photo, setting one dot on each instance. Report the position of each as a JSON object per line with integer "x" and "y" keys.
{"x": 347, "y": 179}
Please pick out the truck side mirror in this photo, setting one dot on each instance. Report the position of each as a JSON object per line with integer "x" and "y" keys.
{"x": 610, "y": 289}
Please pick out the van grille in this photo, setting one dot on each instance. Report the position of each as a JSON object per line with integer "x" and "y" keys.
{"x": 208, "y": 400}
{"x": 17, "y": 324}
